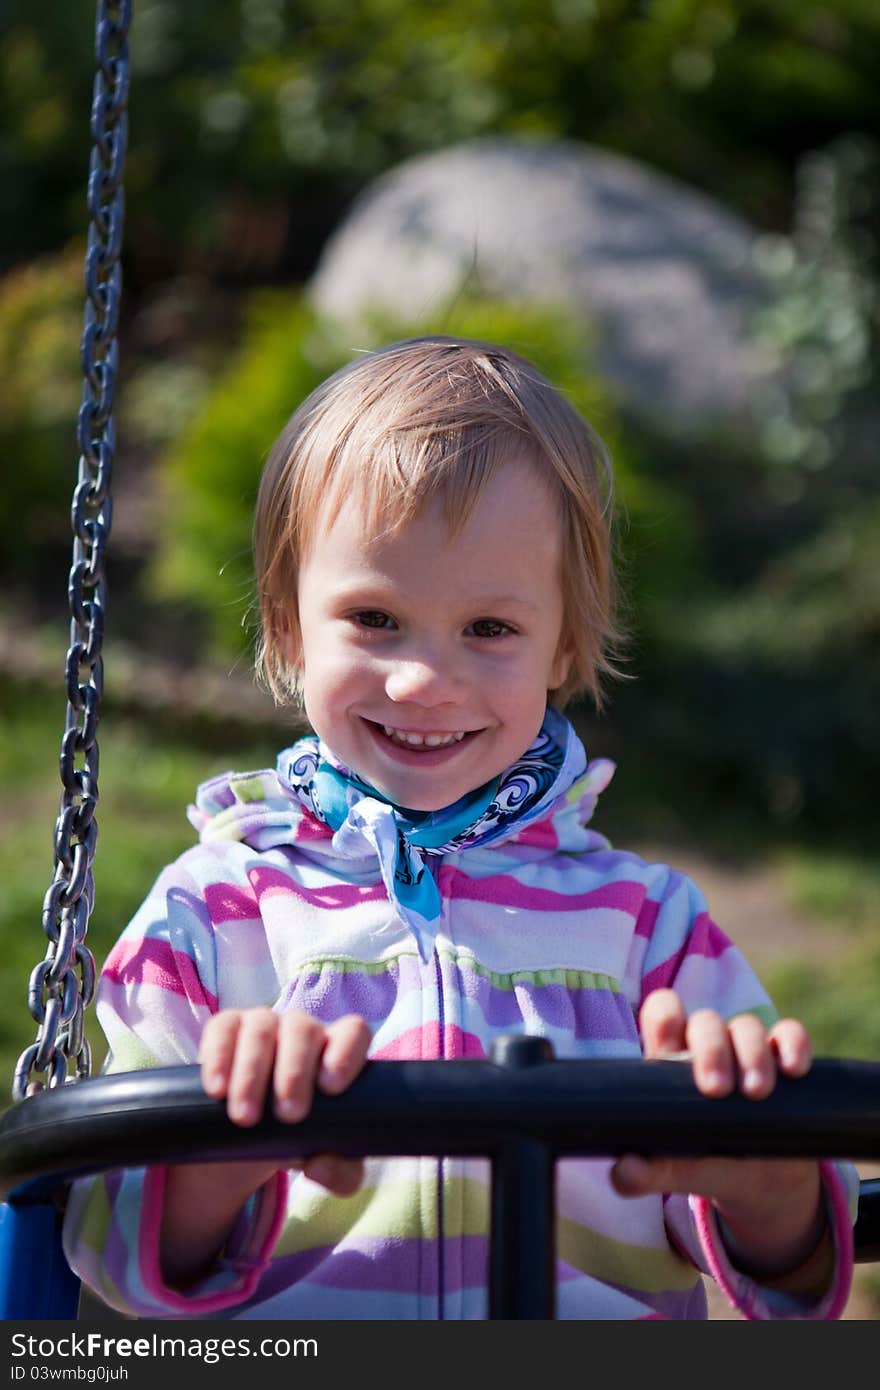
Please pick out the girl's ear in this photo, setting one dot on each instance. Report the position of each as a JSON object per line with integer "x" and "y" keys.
{"x": 560, "y": 667}
{"x": 289, "y": 639}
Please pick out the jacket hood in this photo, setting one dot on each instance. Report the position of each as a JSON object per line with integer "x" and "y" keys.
{"x": 258, "y": 809}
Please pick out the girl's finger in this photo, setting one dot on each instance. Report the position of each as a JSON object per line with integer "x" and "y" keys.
{"x": 348, "y": 1040}
{"x": 251, "y": 1066}
{"x": 217, "y": 1050}
{"x": 301, "y": 1041}
{"x": 634, "y": 1175}
{"x": 340, "y": 1175}
{"x": 754, "y": 1056}
{"x": 663, "y": 1023}
{"x": 713, "y": 1059}
{"x": 791, "y": 1043}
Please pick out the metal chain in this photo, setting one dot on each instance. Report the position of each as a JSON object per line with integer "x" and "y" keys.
{"x": 62, "y": 985}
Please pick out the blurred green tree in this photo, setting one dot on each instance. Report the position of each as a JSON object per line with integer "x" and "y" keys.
{"x": 256, "y": 121}
{"x": 40, "y": 324}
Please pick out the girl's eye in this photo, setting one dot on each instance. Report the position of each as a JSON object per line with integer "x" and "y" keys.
{"x": 488, "y": 627}
{"x": 373, "y": 618}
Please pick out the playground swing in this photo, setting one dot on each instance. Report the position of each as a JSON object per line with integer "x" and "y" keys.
{"x": 521, "y": 1108}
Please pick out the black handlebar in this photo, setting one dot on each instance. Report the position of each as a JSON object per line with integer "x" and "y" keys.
{"x": 468, "y": 1107}
{"x": 522, "y": 1109}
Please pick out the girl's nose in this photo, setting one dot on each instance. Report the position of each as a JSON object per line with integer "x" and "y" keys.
{"x": 423, "y": 682}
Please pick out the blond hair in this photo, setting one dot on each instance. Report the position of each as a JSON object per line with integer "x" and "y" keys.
{"x": 429, "y": 417}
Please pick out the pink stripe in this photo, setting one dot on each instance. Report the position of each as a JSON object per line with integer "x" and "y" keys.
{"x": 830, "y": 1307}
{"x": 507, "y": 891}
{"x": 647, "y": 918}
{"x": 329, "y": 895}
{"x": 250, "y": 1269}
{"x": 841, "y": 1224}
{"x": 706, "y": 939}
{"x": 428, "y": 1043}
{"x": 310, "y": 828}
{"x": 226, "y": 902}
{"x": 541, "y": 835}
{"x": 154, "y": 962}
{"x": 707, "y": 1232}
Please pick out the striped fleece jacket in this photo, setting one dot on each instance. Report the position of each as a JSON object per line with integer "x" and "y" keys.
{"x": 549, "y": 932}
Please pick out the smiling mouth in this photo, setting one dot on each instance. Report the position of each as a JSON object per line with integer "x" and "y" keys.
{"x": 413, "y": 742}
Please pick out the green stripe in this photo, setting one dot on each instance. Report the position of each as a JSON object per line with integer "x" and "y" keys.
{"x": 130, "y": 1054}
{"x": 94, "y": 1230}
{"x": 767, "y": 1014}
{"x": 646, "y": 1268}
{"x": 403, "y": 1209}
{"x": 249, "y": 789}
{"x": 569, "y": 979}
{"x": 407, "y": 1210}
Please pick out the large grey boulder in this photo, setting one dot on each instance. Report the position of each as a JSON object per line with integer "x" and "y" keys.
{"x": 666, "y": 275}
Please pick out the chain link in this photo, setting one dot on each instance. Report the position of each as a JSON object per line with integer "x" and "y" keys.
{"x": 62, "y": 985}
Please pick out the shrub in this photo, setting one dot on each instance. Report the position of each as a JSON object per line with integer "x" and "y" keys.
{"x": 41, "y": 309}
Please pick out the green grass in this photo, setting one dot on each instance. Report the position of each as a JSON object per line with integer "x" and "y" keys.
{"x": 839, "y": 889}
{"x": 838, "y": 1002}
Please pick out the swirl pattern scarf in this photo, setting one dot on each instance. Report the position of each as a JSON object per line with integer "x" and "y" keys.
{"x": 363, "y": 820}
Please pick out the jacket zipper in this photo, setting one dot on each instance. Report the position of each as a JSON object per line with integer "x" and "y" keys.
{"x": 440, "y": 1248}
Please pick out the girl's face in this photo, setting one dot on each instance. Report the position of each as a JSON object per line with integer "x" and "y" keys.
{"x": 425, "y": 661}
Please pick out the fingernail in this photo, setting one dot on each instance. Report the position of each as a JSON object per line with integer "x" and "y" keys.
{"x": 244, "y": 1111}
{"x": 322, "y": 1171}
{"x": 629, "y": 1173}
{"x": 752, "y": 1081}
{"x": 788, "y": 1057}
{"x": 289, "y": 1108}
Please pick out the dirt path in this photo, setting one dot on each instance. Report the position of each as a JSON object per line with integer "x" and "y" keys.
{"x": 752, "y": 907}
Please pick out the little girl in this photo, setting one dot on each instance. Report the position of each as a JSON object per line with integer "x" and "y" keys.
{"x": 433, "y": 562}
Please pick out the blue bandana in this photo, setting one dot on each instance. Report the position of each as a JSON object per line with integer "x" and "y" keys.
{"x": 362, "y": 818}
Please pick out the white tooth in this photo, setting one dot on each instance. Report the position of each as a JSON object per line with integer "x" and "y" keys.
{"x": 458, "y": 737}
{"x": 388, "y": 729}
{"x": 434, "y": 740}
{"x": 415, "y": 739}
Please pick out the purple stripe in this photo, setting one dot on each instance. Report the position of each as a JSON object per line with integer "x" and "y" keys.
{"x": 684, "y": 1305}
{"x": 410, "y": 1267}
{"x": 588, "y": 1012}
{"x": 215, "y": 795}
{"x": 394, "y": 1266}
{"x": 327, "y": 994}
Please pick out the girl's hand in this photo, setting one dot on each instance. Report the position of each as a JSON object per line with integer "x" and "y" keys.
{"x": 246, "y": 1055}
{"x": 771, "y": 1208}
